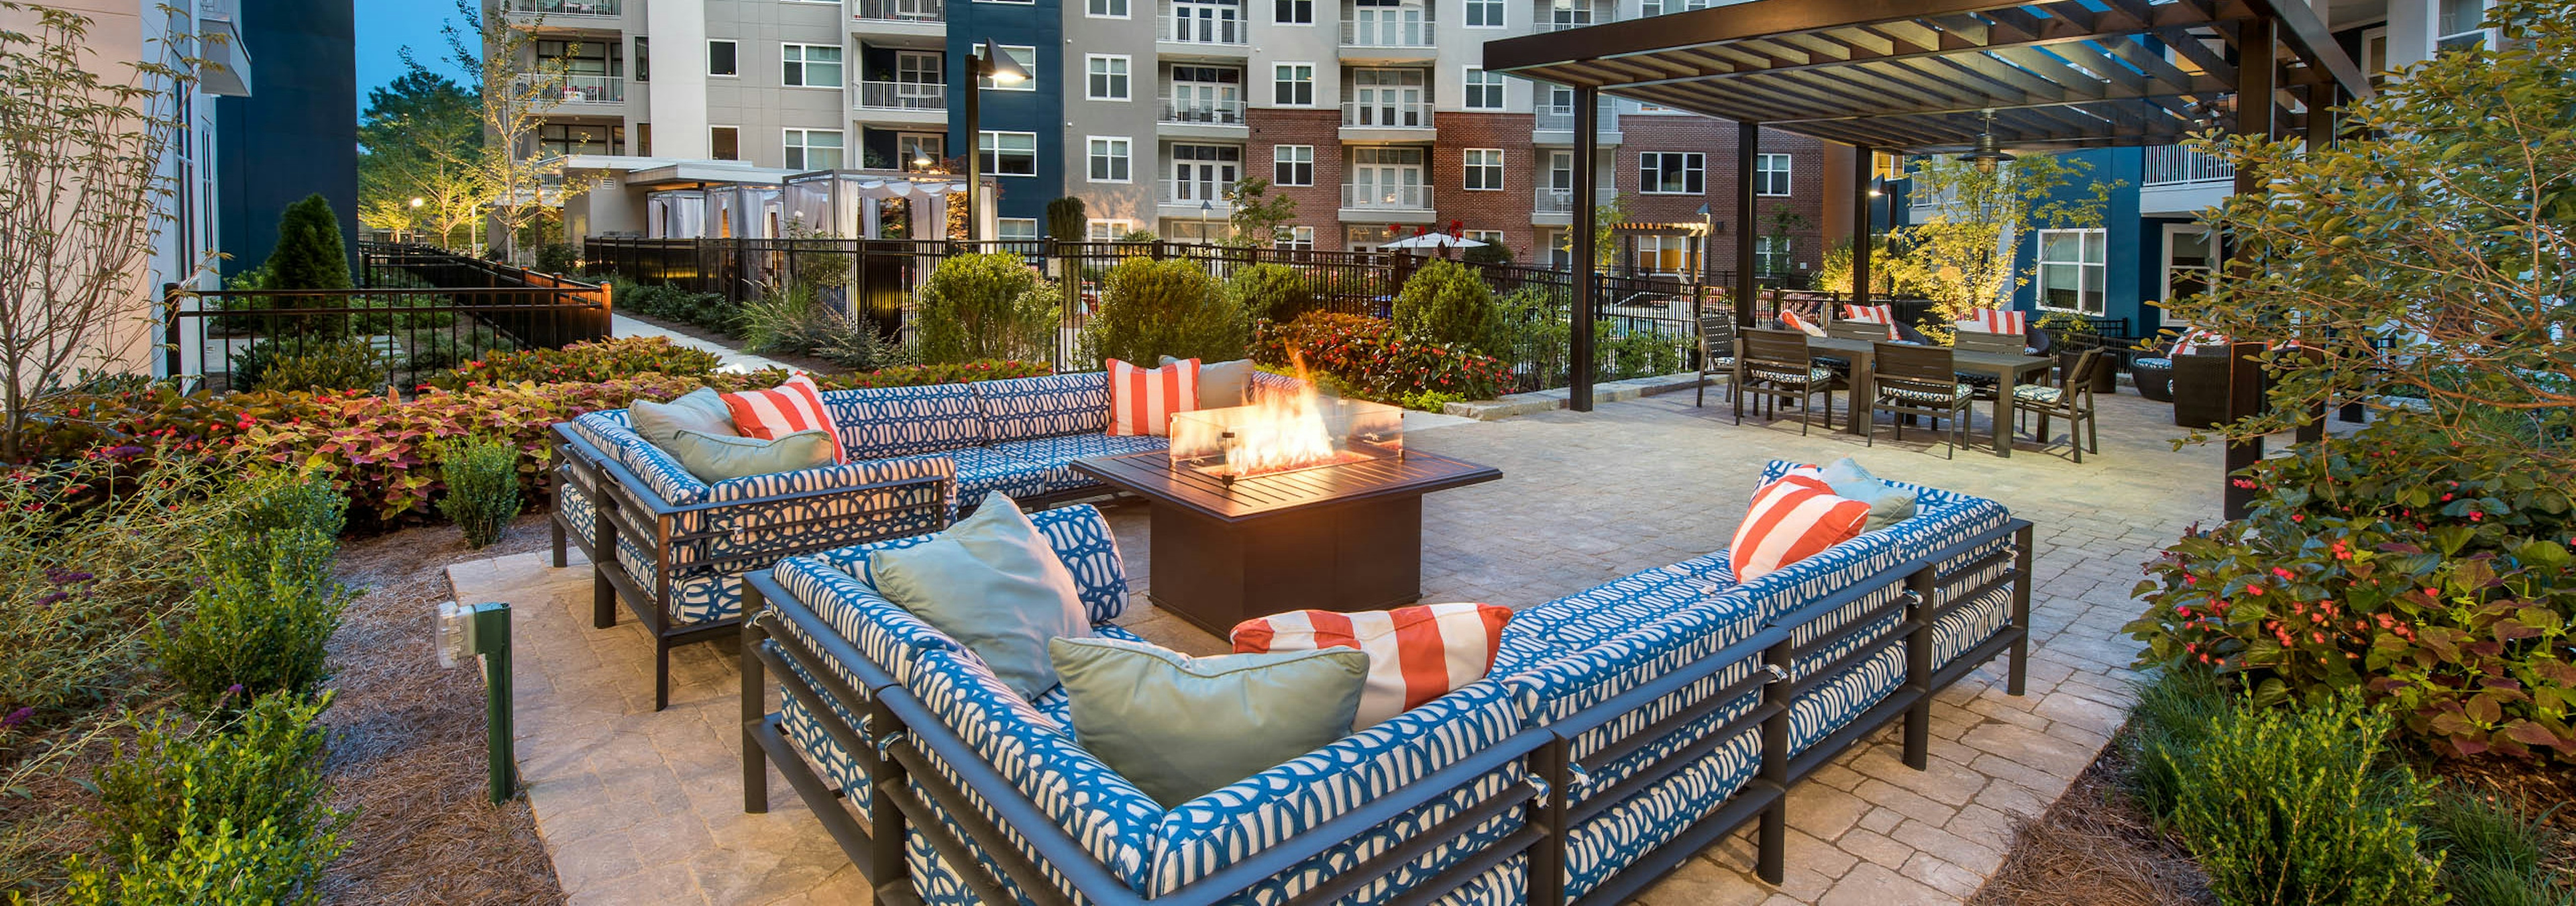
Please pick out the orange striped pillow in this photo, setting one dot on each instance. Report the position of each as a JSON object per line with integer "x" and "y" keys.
{"x": 1416, "y": 653}
{"x": 783, "y": 410}
{"x": 1791, "y": 319}
{"x": 1142, "y": 400}
{"x": 1792, "y": 519}
{"x": 1873, "y": 314}
{"x": 1989, "y": 320}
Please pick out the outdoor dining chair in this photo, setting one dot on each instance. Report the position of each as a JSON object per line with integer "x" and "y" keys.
{"x": 1848, "y": 329}
{"x": 1911, "y": 380}
{"x": 1777, "y": 365}
{"x": 1717, "y": 356}
{"x": 2072, "y": 400}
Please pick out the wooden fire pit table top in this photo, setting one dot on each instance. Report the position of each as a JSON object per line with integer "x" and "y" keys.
{"x": 1245, "y": 499}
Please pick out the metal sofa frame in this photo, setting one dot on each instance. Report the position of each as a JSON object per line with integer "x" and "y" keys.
{"x": 899, "y": 725}
{"x": 624, "y": 506}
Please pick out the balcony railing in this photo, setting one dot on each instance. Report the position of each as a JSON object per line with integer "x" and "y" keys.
{"x": 1553, "y": 201}
{"x": 1561, "y": 119}
{"x": 1203, "y": 111}
{"x": 1386, "y": 198}
{"x": 600, "y": 8}
{"x": 1555, "y": 26}
{"x": 581, "y": 89}
{"x": 1213, "y": 30}
{"x": 901, "y": 96}
{"x": 2173, "y": 164}
{"x": 1193, "y": 192}
{"x": 918, "y": 11}
{"x": 1386, "y": 115}
{"x": 1389, "y": 31}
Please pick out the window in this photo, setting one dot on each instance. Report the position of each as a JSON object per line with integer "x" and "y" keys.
{"x": 1771, "y": 174}
{"x": 1671, "y": 173}
{"x": 1206, "y": 22}
{"x": 1565, "y": 14}
{"x": 724, "y": 143}
{"x": 1294, "y": 239}
{"x": 1108, "y": 77}
{"x": 1107, "y": 9}
{"x": 1015, "y": 229}
{"x": 1488, "y": 237}
{"x": 2460, "y": 24}
{"x": 583, "y": 60}
{"x": 644, "y": 139}
{"x": 1293, "y": 84}
{"x": 1484, "y": 13}
{"x": 1294, "y": 12}
{"x": 2374, "y": 55}
{"x": 1204, "y": 172}
{"x": 1024, "y": 55}
{"x": 722, "y": 59}
{"x": 1484, "y": 89}
{"x": 919, "y": 150}
{"x": 1660, "y": 7}
{"x": 809, "y": 65}
{"x": 1009, "y": 153}
{"x": 1107, "y": 230}
{"x": 1771, "y": 255}
{"x": 1666, "y": 254}
{"x": 643, "y": 59}
{"x": 578, "y": 138}
{"x": 1292, "y": 165}
{"x": 2071, "y": 270}
{"x": 1109, "y": 158}
{"x": 1387, "y": 99}
{"x": 1205, "y": 94}
{"x": 1484, "y": 169}
{"x": 813, "y": 149}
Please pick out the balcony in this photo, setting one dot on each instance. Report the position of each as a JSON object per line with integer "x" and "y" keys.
{"x": 1390, "y": 38}
{"x": 580, "y": 91}
{"x": 2177, "y": 181}
{"x": 925, "y": 22}
{"x": 585, "y": 9}
{"x": 1190, "y": 198}
{"x": 1200, "y": 36}
{"x": 1553, "y": 201}
{"x": 920, "y": 103}
{"x": 1386, "y": 121}
{"x": 1202, "y": 117}
{"x": 1555, "y": 125}
{"x": 1386, "y": 204}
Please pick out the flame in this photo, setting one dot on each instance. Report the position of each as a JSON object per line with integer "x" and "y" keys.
{"x": 1274, "y": 432}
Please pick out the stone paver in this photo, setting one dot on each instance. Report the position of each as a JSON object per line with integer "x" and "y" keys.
{"x": 644, "y": 807}
{"x": 729, "y": 358}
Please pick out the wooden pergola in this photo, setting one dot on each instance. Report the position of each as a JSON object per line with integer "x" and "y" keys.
{"x": 1937, "y": 76}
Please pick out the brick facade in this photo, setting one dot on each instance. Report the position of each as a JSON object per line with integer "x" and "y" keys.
{"x": 1716, "y": 140}
{"x": 1318, "y": 205}
{"x": 1508, "y": 209}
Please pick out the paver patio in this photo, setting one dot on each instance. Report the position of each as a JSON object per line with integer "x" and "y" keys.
{"x": 645, "y": 807}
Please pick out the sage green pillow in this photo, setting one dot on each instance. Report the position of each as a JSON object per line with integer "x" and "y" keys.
{"x": 1180, "y": 727}
{"x": 1887, "y": 505}
{"x": 716, "y": 457}
{"x": 701, "y": 410}
{"x": 994, "y": 584}
{"x": 1222, "y": 384}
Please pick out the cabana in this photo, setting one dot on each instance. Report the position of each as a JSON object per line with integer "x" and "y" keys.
{"x": 848, "y": 203}
{"x": 744, "y": 211}
{"x": 675, "y": 214}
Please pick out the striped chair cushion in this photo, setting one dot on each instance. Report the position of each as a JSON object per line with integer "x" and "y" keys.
{"x": 1142, "y": 400}
{"x": 1992, "y": 320}
{"x": 1416, "y": 654}
{"x": 1873, "y": 314}
{"x": 1792, "y": 519}
{"x": 1790, "y": 320}
{"x": 783, "y": 410}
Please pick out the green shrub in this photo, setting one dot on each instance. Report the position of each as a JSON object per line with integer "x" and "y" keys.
{"x": 671, "y": 303}
{"x": 1271, "y": 292}
{"x": 482, "y": 488}
{"x": 278, "y": 502}
{"x": 2174, "y": 713}
{"x": 790, "y": 319}
{"x": 260, "y": 619}
{"x": 1636, "y": 352}
{"x": 1150, "y": 309}
{"x": 218, "y": 866}
{"x": 1446, "y": 302}
{"x": 2492, "y": 854}
{"x": 311, "y": 255}
{"x": 1366, "y": 355}
{"x": 2291, "y": 806}
{"x": 598, "y": 360}
{"x": 342, "y": 364}
{"x": 262, "y": 767}
{"x": 1067, "y": 221}
{"x": 1536, "y": 333}
{"x": 985, "y": 306}
{"x": 558, "y": 258}
{"x": 1489, "y": 253}
{"x": 399, "y": 314}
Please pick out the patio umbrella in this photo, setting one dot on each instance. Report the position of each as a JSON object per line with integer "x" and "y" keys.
{"x": 1431, "y": 241}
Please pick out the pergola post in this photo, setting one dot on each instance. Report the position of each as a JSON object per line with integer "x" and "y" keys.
{"x": 1587, "y": 279}
{"x": 1748, "y": 144}
{"x": 1862, "y": 170}
{"x": 2256, "y": 72}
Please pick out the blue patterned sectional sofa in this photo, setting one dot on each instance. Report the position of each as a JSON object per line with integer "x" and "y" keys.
{"x": 1622, "y": 729}
{"x": 918, "y": 456}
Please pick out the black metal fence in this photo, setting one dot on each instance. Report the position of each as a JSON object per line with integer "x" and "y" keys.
{"x": 419, "y": 310}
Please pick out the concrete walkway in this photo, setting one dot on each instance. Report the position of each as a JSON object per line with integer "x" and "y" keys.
{"x": 644, "y": 807}
{"x": 732, "y": 359}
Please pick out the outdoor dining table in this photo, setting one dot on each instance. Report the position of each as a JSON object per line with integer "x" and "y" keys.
{"x": 2007, "y": 370}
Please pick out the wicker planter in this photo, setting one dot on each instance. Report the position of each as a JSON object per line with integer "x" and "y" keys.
{"x": 2200, "y": 390}
{"x": 2154, "y": 377}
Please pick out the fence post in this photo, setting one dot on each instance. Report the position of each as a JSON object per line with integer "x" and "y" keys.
{"x": 171, "y": 361}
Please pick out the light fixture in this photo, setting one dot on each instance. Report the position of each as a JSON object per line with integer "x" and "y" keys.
{"x": 461, "y": 633}
{"x": 1001, "y": 68}
{"x": 417, "y": 201}
{"x": 1988, "y": 156}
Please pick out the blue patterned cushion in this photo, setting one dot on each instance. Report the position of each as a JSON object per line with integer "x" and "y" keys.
{"x": 2038, "y": 393}
{"x": 1921, "y": 395}
{"x": 982, "y": 471}
{"x": 1080, "y": 536}
{"x": 608, "y": 431}
{"x": 1816, "y": 375}
{"x": 1026, "y": 408}
{"x": 886, "y": 422}
{"x": 2152, "y": 363}
{"x": 1054, "y": 456}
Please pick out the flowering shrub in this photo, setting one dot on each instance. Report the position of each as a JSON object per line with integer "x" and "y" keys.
{"x": 2437, "y": 582}
{"x": 603, "y": 360}
{"x": 1368, "y": 356}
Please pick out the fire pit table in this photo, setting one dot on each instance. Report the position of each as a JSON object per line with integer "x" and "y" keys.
{"x": 1292, "y": 505}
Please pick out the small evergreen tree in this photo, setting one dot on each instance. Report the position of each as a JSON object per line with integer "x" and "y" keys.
{"x": 1067, "y": 219}
{"x": 1445, "y": 301}
{"x": 1157, "y": 308}
{"x": 309, "y": 255}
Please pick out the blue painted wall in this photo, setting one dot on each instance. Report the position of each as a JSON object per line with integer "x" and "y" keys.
{"x": 297, "y": 132}
{"x": 1038, "y": 25}
{"x": 2131, "y": 241}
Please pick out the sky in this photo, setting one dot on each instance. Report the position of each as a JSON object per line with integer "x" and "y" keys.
{"x": 385, "y": 27}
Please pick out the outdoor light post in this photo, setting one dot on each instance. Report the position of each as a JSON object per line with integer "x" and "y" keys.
{"x": 1003, "y": 71}
{"x": 1206, "y": 207}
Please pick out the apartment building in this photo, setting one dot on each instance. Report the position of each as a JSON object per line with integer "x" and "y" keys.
{"x": 1372, "y": 114}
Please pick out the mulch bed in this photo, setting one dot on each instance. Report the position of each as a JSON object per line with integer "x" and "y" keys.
{"x": 407, "y": 741}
